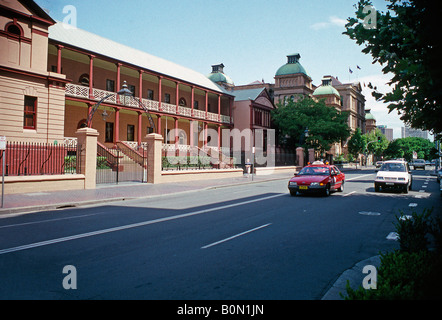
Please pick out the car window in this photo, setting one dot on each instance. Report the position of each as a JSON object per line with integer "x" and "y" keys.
{"x": 314, "y": 171}
{"x": 395, "y": 167}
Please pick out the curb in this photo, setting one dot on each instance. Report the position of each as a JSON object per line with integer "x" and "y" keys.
{"x": 354, "y": 275}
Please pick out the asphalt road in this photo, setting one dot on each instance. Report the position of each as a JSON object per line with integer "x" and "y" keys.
{"x": 244, "y": 242}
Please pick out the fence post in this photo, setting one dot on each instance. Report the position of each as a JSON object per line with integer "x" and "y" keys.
{"x": 87, "y": 139}
{"x": 154, "y": 157}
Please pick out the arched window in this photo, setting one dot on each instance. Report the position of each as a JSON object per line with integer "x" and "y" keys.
{"x": 82, "y": 124}
{"x": 84, "y": 80}
{"x": 182, "y": 102}
{"x": 14, "y": 29}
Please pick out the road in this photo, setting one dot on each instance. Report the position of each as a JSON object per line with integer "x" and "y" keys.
{"x": 244, "y": 242}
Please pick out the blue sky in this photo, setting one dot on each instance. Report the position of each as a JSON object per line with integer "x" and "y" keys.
{"x": 250, "y": 37}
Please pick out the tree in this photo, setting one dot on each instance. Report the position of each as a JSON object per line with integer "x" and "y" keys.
{"x": 404, "y": 148}
{"x": 356, "y": 144}
{"x": 373, "y": 144}
{"x": 404, "y": 40}
{"x": 325, "y": 124}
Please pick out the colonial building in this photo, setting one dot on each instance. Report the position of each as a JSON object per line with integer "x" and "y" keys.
{"x": 52, "y": 76}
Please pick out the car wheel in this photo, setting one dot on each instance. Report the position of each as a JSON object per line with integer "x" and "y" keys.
{"x": 293, "y": 193}
{"x": 376, "y": 187}
{"x": 341, "y": 188}
{"x": 409, "y": 187}
{"x": 327, "y": 190}
{"x": 406, "y": 189}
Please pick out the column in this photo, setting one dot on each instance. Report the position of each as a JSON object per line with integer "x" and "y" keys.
{"x": 159, "y": 93}
{"x": 87, "y": 138}
{"x": 154, "y": 152}
{"x": 177, "y": 94}
{"x": 219, "y": 107}
{"x": 140, "y": 85}
{"x": 207, "y": 102}
{"x": 117, "y": 125}
{"x": 159, "y": 124}
{"x": 192, "y": 101}
{"x": 118, "y": 87}
{"x": 59, "y": 47}
{"x": 140, "y": 129}
{"x": 91, "y": 76}
{"x": 176, "y": 136}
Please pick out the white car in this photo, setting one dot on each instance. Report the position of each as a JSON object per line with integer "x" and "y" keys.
{"x": 394, "y": 174}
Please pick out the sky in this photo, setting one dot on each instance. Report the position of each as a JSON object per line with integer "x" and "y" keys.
{"x": 252, "y": 38}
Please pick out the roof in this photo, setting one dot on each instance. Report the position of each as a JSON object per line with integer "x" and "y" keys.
{"x": 291, "y": 68}
{"x": 324, "y": 90}
{"x": 220, "y": 77}
{"x": 96, "y": 44}
{"x": 247, "y": 94}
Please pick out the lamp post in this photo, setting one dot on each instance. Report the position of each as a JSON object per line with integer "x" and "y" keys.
{"x": 302, "y": 140}
{"x": 124, "y": 92}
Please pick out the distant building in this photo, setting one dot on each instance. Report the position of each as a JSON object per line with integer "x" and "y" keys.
{"x": 387, "y": 132}
{"x": 370, "y": 121}
{"x": 410, "y": 132}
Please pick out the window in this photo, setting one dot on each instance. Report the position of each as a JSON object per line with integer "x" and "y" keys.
{"x": 14, "y": 29}
{"x": 130, "y": 132}
{"x": 84, "y": 80}
{"x": 30, "y": 113}
{"x": 167, "y": 98}
{"x": 195, "y": 105}
{"x": 132, "y": 89}
{"x": 110, "y": 85}
{"x": 150, "y": 94}
{"x": 182, "y": 102}
{"x": 109, "y": 137}
{"x": 149, "y": 130}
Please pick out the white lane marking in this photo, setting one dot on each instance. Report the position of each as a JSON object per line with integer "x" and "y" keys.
{"x": 130, "y": 226}
{"x": 235, "y": 236}
{"x": 412, "y": 204}
{"x": 358, "y": 177}
{"x": 406, "y": 217}
{"x": 369, "y": 213}
{"x": 49, "y": 220}
{"x": 348, "y": 194}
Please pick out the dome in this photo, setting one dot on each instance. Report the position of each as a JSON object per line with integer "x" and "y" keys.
{"x": 326, "y": 88}
{"x": 220, "y": 77}
{"x": 368, "y": 115}
{"x": 292, "y": 66}
{"x": 217, "y": 75}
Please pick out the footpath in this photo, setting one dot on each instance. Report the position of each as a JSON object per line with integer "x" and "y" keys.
{"x": 42, "y": 201}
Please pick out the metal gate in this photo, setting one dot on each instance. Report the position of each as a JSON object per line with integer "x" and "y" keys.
{"x": 121, "y": 164}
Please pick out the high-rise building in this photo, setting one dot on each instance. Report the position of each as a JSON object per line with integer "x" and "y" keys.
{"x": 387, "y": 132}
{"x": 411, "y": 132}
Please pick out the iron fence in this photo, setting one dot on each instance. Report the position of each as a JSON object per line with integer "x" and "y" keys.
{"x": 29, "y": 158}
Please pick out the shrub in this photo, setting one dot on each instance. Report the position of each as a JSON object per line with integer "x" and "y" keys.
{"x": 413, "y": 232}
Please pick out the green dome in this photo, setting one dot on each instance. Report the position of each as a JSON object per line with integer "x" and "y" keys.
{"x": 369, "y": 116}
{"x": 324, "y": 90}
{"x": 292, "y": 66}
{"x": 220, "y": 77}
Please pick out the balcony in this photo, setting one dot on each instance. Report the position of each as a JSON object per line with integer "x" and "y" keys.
{"x": 82, "y": 92}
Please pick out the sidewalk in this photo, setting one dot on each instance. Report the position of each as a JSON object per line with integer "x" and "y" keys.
{"x": 40, "y": 201}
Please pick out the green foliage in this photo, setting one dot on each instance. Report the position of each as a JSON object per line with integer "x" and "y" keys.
{"x": 356, "y": 143}
{"x": 413, "y": 271}
{"x": 186, "y": 162}
{"x": 413, "y": 231}
{"x": 372, "y": 144}
{"x": 405, "y": 44}
{"x": 403, "y": 148}
{"x": 326, "y": 125}
{"x": 102, "y": 163}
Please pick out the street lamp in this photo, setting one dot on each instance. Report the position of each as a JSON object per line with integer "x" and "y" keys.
{"x": 124, "y": 92}
{"x": 95, "y": 107}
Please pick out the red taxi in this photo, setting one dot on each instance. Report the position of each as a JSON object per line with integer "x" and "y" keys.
{"x": 317, "y": 177}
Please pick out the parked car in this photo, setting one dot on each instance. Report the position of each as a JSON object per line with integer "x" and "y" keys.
{"x": 317, "y": 178}
{"x": 394, "y": 174}
{"x": 379, "y": 164}
{"x": 419, "y": 163}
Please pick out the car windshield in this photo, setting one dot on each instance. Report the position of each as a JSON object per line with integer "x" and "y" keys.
{"x": 314, "y": 171}
{"x": 397, "y": 167}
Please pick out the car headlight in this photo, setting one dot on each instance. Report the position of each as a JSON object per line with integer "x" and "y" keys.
{"x": 314, "y": 184}
{"x": 293, "y": 184}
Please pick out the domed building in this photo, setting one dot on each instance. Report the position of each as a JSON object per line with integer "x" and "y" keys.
{"x": 370, "y": 121}
{"x": 219, "y": 77}
{"x": 292, "y": 80}
{"x": 329, "y": 93}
